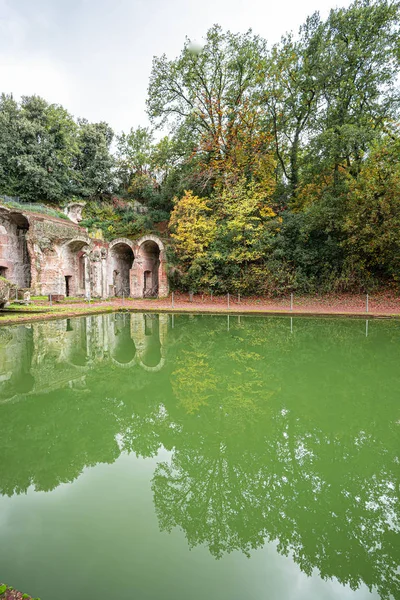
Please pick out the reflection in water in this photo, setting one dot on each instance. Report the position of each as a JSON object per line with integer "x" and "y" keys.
{"x": 278, "y": 430}
{"x": 124, "y": 348}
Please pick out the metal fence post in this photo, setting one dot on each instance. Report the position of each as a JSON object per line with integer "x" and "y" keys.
{"x": 172, "y": 300}
{"x": 228, "y": 300}
{"x": 291, "y": 301}
{"x": 367, "y": 304}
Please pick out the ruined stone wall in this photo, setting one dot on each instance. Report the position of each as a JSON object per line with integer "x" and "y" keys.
{"x": 14, "y": 256}
{"x": 120, "y": 260}
{"x": 54, "y": 245}
{"x": 55, "y": 256}
{"x": 150, "y": 258}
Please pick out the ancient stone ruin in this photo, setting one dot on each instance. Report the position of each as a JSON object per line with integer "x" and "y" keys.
{"x": 49, "y": 255}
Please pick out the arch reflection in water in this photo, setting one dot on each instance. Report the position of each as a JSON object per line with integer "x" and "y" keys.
{"x": 272, "y": 434}
{"x": 53, "y": 354}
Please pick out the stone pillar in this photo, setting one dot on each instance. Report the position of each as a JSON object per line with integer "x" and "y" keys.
{"x": 163, "y": 287}
{"x": 96, "y": 273}
{"x": 35, "y": 254}
{"x": 86, "y": 268}
{"x": 104, "y": 286}
{"x": 136, "y": 283}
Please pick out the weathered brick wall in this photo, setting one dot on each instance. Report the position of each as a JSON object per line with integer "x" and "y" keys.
{"x": 54, "y": 246}
{"x": 55, "y": 256}
{"x": 150, "y": 256}
{"x": 14, "y": 257}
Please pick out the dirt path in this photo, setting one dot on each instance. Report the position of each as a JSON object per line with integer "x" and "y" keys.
{"x": 379, "y": 305}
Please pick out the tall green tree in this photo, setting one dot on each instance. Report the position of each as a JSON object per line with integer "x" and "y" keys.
{"x": 134, "y": 150}
{"x": 359, "y": 69}
{"x": 208, "y": 95}
{"x": 94, "y": 163}
{"x": 38, "y": 141}
{"x": 373, "y": 215}
{"x": 291, "y": 98}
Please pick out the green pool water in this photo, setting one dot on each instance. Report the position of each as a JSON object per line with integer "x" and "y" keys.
{"x": 160, "y": 457}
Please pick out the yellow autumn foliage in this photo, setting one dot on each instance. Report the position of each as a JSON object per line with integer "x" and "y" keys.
{"x": 193, "y": 227}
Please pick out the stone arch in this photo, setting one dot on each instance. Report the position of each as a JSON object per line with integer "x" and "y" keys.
{"x": 122, "y": 256}
{"x": 4, "y": 245}
{"x": 151, "y": 238}
{"x": 20, "y": 220}
{"x": 77, "y": 241}
{"x": 15, "y": 244}
{"x": 74, "y": 279}
{"x": 149, "y": 277}
{"x": 4, "y": 264}
{"x": 122, "y": 240}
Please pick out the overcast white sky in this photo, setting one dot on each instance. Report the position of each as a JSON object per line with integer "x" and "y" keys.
{"x": 94, "y": 56}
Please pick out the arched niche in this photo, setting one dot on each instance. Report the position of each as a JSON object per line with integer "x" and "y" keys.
{"x": 121, "y": 257}
{"x": 74, "y": 278}
{"x": 20, "y": 220}
{"x": 4, "y": 252}
{"x": 149, "y": 280}
{"x": 15, "y": 243}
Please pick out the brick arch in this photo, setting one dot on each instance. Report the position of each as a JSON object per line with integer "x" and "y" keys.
{"x": 77, "y": 243}
{"x": 149, "y": 273}
{"x": 123, "y": 240}
{"x": 4, "y": 251}
{"x": 19, "y": 219}
{"x": 121, "y": 253}
{"x": 72, "y": 280}
{"x": 15, "y": 257}
{"x": 150, "y": 238}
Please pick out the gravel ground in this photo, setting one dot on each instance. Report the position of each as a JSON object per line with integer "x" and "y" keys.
{"x": 379, "y": 305}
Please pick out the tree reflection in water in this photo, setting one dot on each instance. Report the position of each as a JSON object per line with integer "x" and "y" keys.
{"x": 273, "y": 435}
